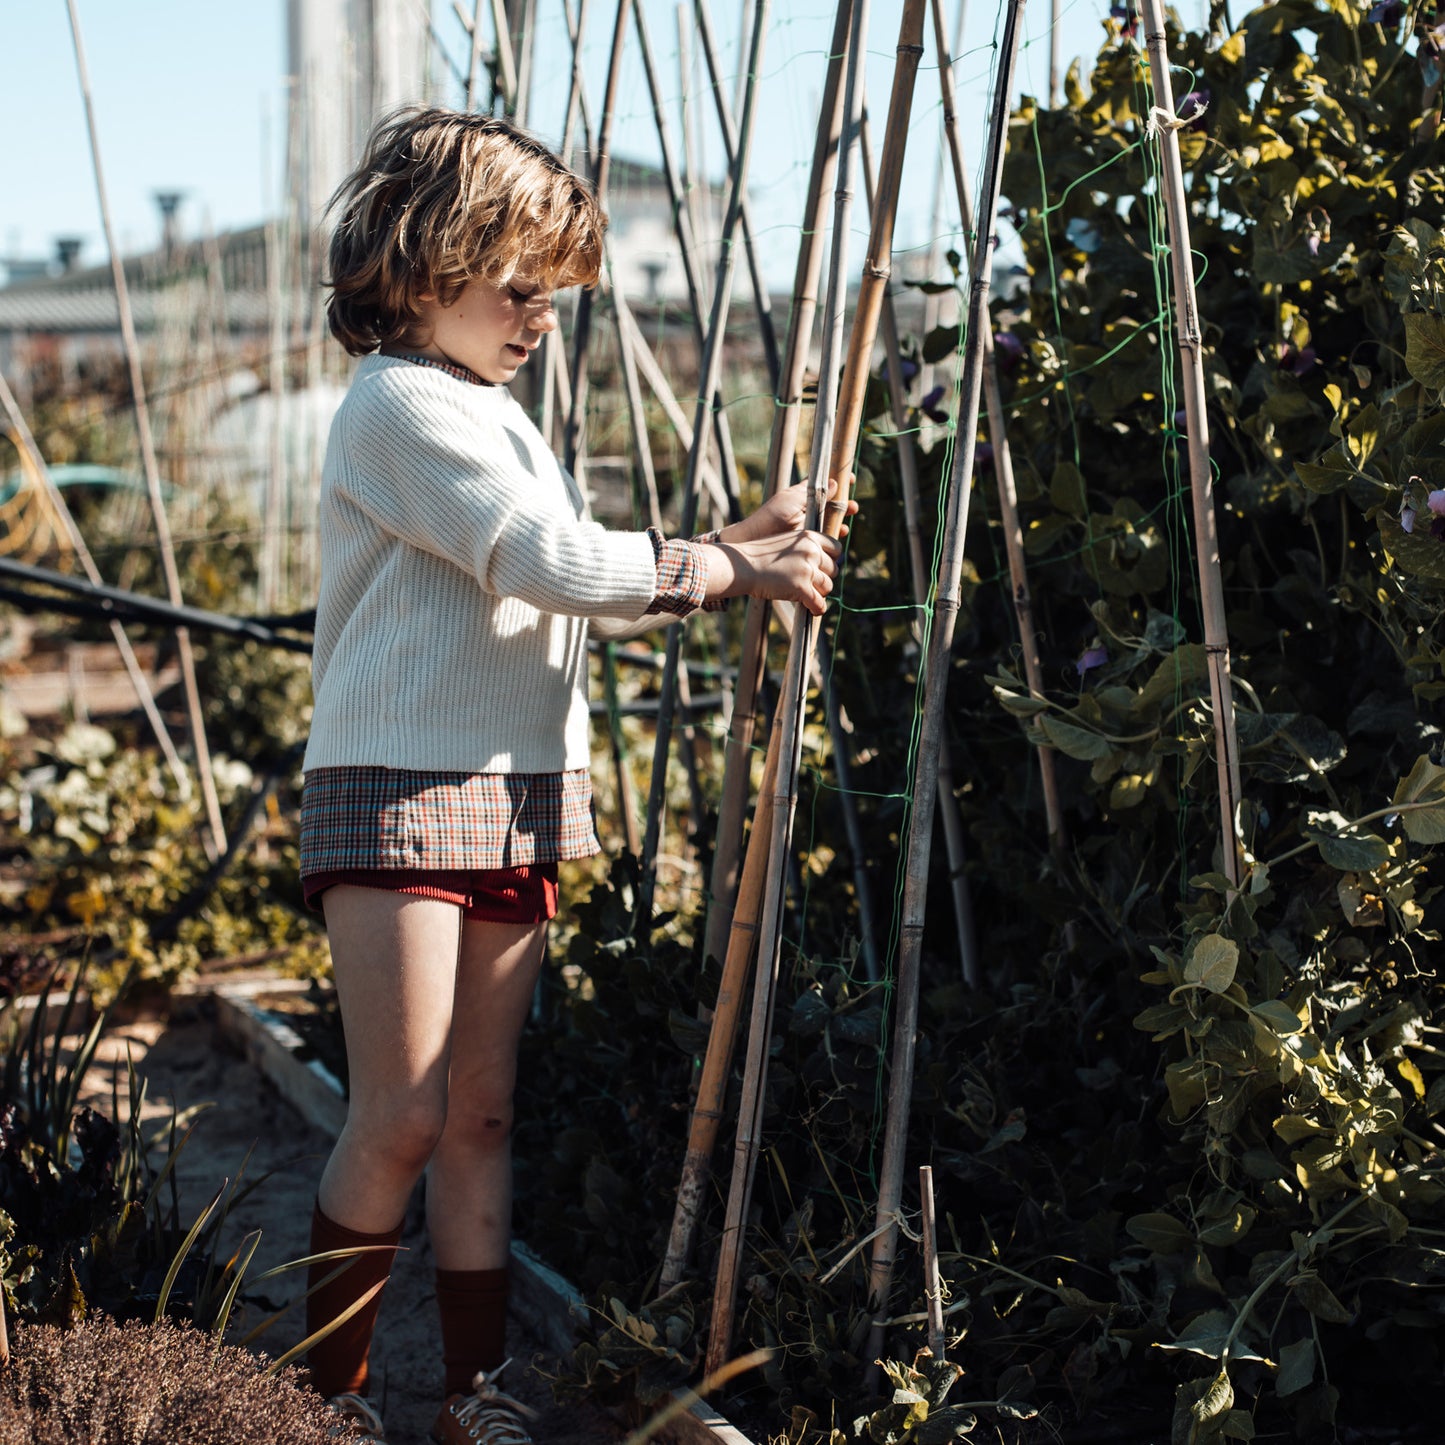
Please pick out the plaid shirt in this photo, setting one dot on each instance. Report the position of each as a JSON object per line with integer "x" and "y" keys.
{"x": 375, "y": 817}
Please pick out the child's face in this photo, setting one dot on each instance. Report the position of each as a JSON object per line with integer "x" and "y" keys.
{"x": 491, "y": 328}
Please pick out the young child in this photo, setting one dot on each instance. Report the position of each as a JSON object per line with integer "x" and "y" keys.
{"x": 446, "y": 773}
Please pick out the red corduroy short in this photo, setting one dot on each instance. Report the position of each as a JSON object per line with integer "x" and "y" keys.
{"x": 527, "y": 894}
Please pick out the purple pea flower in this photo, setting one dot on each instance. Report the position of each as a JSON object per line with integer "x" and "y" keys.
{"x": 1314, "y": 243}
{"x": 1092, "y": 657}
{"x": 1387, "y": 12}
{"x": 982, "y": 456}
{"x": 1009, "y": 351}
{"x": 1128, "y": 20}
{"x": 1437, "y": 529}
{"x": 907, "y": 369}
{"x": 1298, "y": 363}
{"x": 1192, "y": 107}
{"x": 1436, "y": 502}
{"x": 1181, "y": 421}
{"x": 930, "y": 405}
{"x": 1407, "y": 519}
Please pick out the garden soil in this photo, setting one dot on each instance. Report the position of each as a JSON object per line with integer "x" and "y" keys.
{"x": 186, "y": 1063}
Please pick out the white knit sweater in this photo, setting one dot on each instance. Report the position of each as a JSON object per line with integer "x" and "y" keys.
{"x": 458, "y": 573}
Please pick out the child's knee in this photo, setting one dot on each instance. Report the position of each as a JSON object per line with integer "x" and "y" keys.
{"x": 404, "y": 1132}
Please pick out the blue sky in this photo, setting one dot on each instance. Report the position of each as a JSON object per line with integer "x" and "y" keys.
{"x": 187, "y": 93}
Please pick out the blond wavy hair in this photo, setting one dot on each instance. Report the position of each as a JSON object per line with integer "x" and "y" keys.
{"x": 441, "y": 198}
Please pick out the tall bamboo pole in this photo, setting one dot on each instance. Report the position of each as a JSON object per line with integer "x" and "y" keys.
{"x": 1003, "y": 468}
{"x": 687, "y": 247}
{"x": 953, "y": 831}
{"x": 525, "y": 61}
{"x": 706, "y": 401}
{"x": 1196, "y": 420}
{"x": 217, "y": 839}
{"x": 761, "y": 300}
{"x": 576, "y": 104}
{"x": 838, "y": 449}
{"x": 932, "y": 1284}
{"x": 474, "y": 31}
{"x": 935, "y": 689}
{"x": 506, "y": 72}
{"x": 729, "y": 937}
{"x": 576, "y": 413}
{"x": 26, "y": 440}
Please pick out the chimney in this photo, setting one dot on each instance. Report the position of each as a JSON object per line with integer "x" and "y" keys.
{"x": 67, "y": 251}
{"x": 170, "y": 203}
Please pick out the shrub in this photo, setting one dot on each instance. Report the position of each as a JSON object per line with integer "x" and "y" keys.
{"x": 149, "y": 1384}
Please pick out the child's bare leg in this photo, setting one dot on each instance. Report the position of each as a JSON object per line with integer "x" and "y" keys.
{"x": 395, "y": 959}
{"x": 469, "y": 1183}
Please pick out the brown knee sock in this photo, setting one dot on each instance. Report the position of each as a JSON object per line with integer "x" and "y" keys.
{"x": 339, "y": 1362}
{"x": 473, "y": 1306}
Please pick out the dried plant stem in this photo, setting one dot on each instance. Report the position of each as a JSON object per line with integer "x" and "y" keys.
{"x": 1196, "y": 422}
{"x": 935, "y": 689}
{"x": 932, "y": 1283}
{"x": 732, "y": 930}
{"x": 953, "y": 831}
{"x": 122, "y": 642}
{"x": 833, "y": 456}
{"x": 217, "y": 839}
{"x": 1013, "y": 534}
{"x": 711, "y": 370}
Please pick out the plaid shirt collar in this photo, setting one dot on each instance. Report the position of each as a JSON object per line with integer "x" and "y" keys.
{"x": 450, "y": 367}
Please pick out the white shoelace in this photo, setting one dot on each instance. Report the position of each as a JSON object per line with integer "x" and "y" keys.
{"x": 496, "y": 1412}
{"x": 363, "y": 1412}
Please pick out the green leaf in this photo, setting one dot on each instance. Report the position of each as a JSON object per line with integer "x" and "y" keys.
{"x": 1068, "y": 491}
{"x": 1424, "y": 784}
{"x": 1232, "y": 1228}
{"x": 1317, "y": 1297}
{"x": 1294, "y": 1127}
{"x": 1213, "y": 962}
{"x": 1175, "y": 676}
{"x": 1418, "y": 552}
{"x": 942, "y": 341}
{"x": 1425, "y": 349}
{"x": 1278, "y": 1016}
{"x": 1362, "y": 853}
{"x": 1160, "y": 1233}
{"x": 1075, "y": 741}
{"x": 1296, "y": 1367}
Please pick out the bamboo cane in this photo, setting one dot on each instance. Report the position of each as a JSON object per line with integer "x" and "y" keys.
{"x": 1196, "y": 416}
{"x": 953, "y": 830}
{"x": 524, "y": 61}
{"x": 506, "y": 61}
{"x": 761, "y": 300}
{"x": 576, "y": 413}
{"x": 932, "y": 1284}
{"x": 838, "y": 448}
{"x": 474, "y": 30}
{"x": 617, "y": 747}
{"x": 576, "y": 105}
{"x": 687, "y": 246}
{"x": 728, "y": 936}
{"x": 1055, "y": 43}
{"x": 707, "y": 394}
{"x": 1003, "y": 470}
{"x": 217, "y": 839}
{"x": 57, "y": 501}
{"x": 935, "y": 689}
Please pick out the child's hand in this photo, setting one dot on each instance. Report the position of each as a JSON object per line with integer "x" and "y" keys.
{"x": 785, "y": 511}
{"x": 792, "y": 566}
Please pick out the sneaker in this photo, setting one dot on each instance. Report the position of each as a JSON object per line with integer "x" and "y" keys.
{"x": 359, "y": 1423}
{"x": 485, "y": 1417}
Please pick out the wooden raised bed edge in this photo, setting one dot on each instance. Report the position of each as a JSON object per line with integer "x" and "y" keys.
{"x": 546, "y": 1302}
